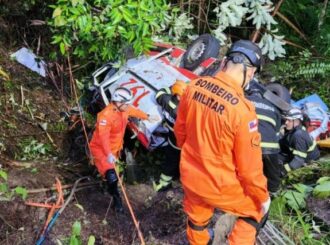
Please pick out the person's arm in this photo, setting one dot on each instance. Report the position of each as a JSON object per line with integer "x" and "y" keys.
{"x": 162, "y": 95}
{"x": 180, "y": 122}
{"x": 135, "y": 112}
{"x": 247, "y": 155}
{"x": 300, "y": 147}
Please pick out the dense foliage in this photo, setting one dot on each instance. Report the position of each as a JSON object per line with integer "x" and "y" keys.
{"x": 306, "y": 24}
{"x": 102, "y": 30}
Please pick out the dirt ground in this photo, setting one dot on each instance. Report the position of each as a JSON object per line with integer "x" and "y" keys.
{"x": 160, "y": 217}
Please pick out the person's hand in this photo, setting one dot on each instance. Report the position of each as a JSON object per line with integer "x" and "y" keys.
{"x": 111, "y": 158}
{"x": 265, "y": 206}
{"x": 153, "y": 118}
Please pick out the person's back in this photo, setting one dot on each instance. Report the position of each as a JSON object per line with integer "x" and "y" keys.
{"x": 216, "y": 111}
{"x": 269, "y": 123}
{"x": 220, "y": 164}
{"x": 269, "y": 118}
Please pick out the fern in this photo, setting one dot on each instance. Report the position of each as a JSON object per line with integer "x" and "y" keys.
{"x": 304, "y": 74}
{"x": 309, "y": 71}
{"x": 293, "y": 68}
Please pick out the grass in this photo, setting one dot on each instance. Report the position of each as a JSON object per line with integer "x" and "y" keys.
{"x": 296, "y": 221}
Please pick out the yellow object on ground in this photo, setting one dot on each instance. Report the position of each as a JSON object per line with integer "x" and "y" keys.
{"x": 324, "y": 143}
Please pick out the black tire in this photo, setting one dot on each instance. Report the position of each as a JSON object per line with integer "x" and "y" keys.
{"x": 204, "y": 47}
{"x": 280, "y": 91}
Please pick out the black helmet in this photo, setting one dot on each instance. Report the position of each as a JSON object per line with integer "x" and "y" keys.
{"x": 250, "y": 50}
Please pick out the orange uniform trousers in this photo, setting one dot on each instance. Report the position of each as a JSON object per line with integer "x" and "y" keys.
{"x": 200, "y": 211}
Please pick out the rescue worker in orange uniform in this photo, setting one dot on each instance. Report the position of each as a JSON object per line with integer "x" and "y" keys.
{"x": 168, "y": 99}
{"x": 107, "y": 140}
{"x": 221, "y": 166}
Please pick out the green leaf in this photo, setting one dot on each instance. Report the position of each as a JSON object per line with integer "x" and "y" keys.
{"x": 116, "y": 16}
{"x": 322, "y": 180}
{"x": 91, "y": 240}
{"x": 3, "y": 175}
{"x": 295, "y": 199}
{"x": 127, "y": 15}
{"x": 57, "y": 12}
{"x": 74, "y": 241}
{"x": 277, "y": 205}
{"x": 145, "y": 29}
{"x": 303, "y": 189}
{"x": 62, "y": 48}
{"x": 322, "y": 190}
{"x": 121, "y": 30}
{"x": 21, "y": 191}
{"x": 74, "y": 2}
{"x": 34, "y": 170}
{"x": 3, "y": 188}
{"x": 59, "y": 21}
{"x": 56, "y": 39}
{"x": 76, "y": 228}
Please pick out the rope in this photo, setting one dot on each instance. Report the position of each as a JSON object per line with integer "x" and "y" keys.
{"x": 136, "y": 223}
{"x": 77, "y": 102}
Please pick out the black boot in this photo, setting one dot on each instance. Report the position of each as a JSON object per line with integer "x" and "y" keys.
{"x": 117, "y": 204}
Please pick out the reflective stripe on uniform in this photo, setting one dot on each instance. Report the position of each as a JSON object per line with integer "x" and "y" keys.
{"x": 173, "y": 145}
{"x": 167, "y": 90}
{"x": 269, "y": 145}
{"x": 312, "y": 147}
{"x": 287, "y": 167}
{"x": 159, "y": 94}
{"x": 267, "y": 119}
{"x": 168, "y": 126}
{"x": 171, "y": 104}
{"x": 298, "y": 153}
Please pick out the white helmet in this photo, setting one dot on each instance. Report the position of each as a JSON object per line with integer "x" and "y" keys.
{"x": 294, "y": 113}
{"x": 122, "y": 95}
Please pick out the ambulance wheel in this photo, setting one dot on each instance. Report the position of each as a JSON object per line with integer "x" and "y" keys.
{"x": 280, "y": 91}
{"x": 204, "y": 47}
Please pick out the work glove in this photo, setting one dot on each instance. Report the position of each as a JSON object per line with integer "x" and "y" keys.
{"x": 111, "y": 158}
{"x": 153, "y": 118}
{"x": 265, "y": 206}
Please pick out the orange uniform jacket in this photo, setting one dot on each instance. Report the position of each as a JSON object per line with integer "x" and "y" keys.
{"x": 109, "y": 133}
{"x": 221, "y": 156}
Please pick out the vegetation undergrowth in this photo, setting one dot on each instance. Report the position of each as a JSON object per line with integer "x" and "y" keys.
{"x": 291, "y": 210}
